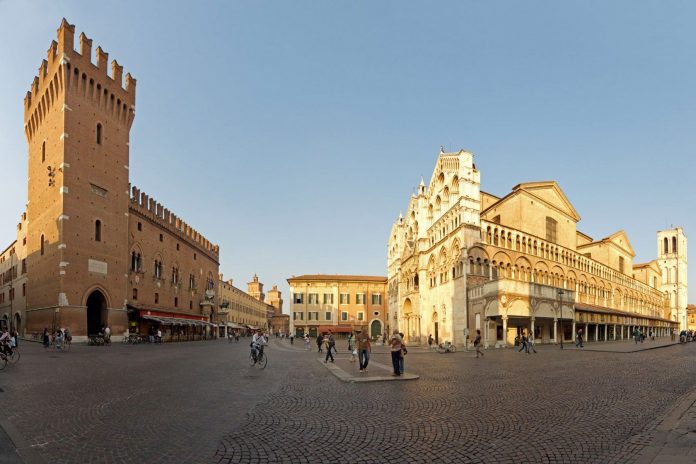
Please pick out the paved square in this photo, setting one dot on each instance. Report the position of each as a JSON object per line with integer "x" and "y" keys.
{"x": 202, "y": 402}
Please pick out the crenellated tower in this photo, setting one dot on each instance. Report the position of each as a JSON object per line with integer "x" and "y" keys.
{"x": 77, "y": 120}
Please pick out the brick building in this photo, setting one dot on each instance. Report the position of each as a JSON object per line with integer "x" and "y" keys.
{"x": 99, "y": 252}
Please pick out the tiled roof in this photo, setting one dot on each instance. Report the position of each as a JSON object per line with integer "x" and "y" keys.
{"x": 342, "y": 278}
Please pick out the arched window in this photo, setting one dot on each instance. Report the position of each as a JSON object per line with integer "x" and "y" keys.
{"x": 42, "y": 244}
{"x": 99, "y": 134}
{"x": 666, "y": 245}
{"x": 43, "y": 153}
{"x": 97, "y": 230}
{"x": 674, "y": 244}
{"x": 176, "y": 301}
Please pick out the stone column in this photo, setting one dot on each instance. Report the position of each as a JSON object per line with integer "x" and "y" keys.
{"x": 504, "y": 318}
{"x": 555, "y": 330}
{"x": 614, "y": 332}
{"x": 532, "y": 325}
{"x": 574, "y": 330}
{"x": 596, "y": 333}
{"x": 486, "y": 323}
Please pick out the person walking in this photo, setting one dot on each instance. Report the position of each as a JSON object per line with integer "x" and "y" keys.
{"x": 636, "y": 335}
{"x": 320, "y": 341}
{"x": 351, "y": 347}
{"x": 107, "y": 335}
{"x": 477, "y": 344}
{"x": 430, "y": 341}
{"x": 330, "y": 345}
{"x": 523, "y": 342}
{"x": 46, "y": 338}
{"x": 578, "y": 342}
{"x": 364, "y": 349}
{"x": 404, "y": 351}
{"x": 530, "y": 343}
{"x": 307, "y": 342}
{"x": 395, "y": 345}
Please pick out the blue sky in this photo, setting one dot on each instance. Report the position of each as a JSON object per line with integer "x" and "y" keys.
{"x": 292, "y": 133}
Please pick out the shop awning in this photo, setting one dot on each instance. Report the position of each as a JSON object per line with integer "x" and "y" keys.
{"x": 235, "y": 326}
{"x": 252, "y": 327}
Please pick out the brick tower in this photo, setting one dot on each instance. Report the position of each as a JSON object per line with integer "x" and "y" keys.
{"x": 77, "y": 122}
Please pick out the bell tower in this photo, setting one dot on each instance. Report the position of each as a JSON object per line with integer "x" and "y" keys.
{"x": 672, "y": 259}
{"x": 77, "y": 120}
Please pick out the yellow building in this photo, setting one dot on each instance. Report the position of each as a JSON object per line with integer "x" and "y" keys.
{"x": 239, "y": 310}
{"x": 340, "y": 303}
{"x": 691, "y": 315}
{"x": 463, "y": 259}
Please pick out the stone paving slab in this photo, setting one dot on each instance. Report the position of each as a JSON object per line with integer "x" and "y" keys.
{"x": 350, "y": 372}
{"x": 674, "y": 440}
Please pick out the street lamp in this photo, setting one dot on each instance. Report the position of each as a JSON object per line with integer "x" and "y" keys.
{"x": 560, "y": 299}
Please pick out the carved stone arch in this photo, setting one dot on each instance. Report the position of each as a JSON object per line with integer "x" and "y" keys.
{"x": 455, "y": 185}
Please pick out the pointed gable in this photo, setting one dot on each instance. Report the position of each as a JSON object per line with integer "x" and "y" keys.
{"x": 620, "y": 239}
{"x": 551, "y": 194}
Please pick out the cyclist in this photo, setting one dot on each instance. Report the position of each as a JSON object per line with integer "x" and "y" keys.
{"x": 5, "y": 342}
{"x": 257, "y": 343}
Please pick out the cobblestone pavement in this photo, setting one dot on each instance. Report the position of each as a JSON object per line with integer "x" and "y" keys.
{"x": 201, "y": 402}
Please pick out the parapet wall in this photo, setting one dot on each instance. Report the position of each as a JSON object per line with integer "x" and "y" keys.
{"x": 153, "y": 210}
{"x": 66, "y": 69}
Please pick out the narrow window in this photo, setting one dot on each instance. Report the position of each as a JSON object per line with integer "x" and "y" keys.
{"x": 551, "y": 229}
{"x": 194, "y": 256}
{"x": 99, "y": 134}
{"x": 43, "y": 151}
{"x": 666, "y": 245}
{"x": 42, "y": 244}
{"x": 156, "y": 298}
{"x": 97, "y": 230}
{"x": 135, "y": 293}
{"x": 161, "y": 238}
{"x": 621, "y": 264}
{"x": 177, "y": 247}
{"x": 24, "y": 289}
{"x": 140, "y": 226}
{"x": 176, "y": 302}
{"x": 190, "y": 304}
{"x": 674, "y": 244}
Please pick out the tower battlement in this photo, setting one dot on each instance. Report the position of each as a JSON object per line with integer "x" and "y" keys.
{"x": 71, "y": 74}
{"x": 156, "y": 212}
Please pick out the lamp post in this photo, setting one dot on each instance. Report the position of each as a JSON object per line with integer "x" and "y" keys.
{"x": 560, "y": 300}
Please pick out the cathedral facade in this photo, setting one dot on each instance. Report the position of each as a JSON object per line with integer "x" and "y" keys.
{"x": 462, "y": 260}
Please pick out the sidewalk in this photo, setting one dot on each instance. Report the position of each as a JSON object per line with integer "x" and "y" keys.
{"x": 624, "y": 346}
{"x": 674, "y": 439}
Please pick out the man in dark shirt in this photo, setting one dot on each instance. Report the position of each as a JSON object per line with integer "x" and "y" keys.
{"x": 364, "y": 349}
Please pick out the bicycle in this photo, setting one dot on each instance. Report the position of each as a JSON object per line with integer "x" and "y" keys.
{"x": 446, "y": 347}
{"x": 260, "y": 360}
{"x": 13, "y": 357}
{"x": 96, "y": 340}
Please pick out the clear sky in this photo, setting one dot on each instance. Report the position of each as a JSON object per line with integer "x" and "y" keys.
{"x": 292, "y": 133}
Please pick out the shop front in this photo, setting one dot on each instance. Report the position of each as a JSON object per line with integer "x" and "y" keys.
{"x": 175, "y": 327}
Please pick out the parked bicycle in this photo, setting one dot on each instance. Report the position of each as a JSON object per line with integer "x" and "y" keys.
{"x": 96, "y": 340}
{"x": 446, "y": 347}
